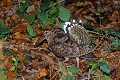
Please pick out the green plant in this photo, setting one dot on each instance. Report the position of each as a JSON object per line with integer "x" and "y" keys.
{"x": 4, "y": 31}
{"x": 68, "y": 73}
{"x": 2, "y": 75}
{"x": 116, "y": 43}
{"x": 47, "y": 14}
{"x": 8, "y": 53}
{"x": 15, "y": 63}
{"x": 102, "y": 65}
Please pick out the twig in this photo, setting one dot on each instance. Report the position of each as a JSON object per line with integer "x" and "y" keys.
{"x": 98, "y": 44}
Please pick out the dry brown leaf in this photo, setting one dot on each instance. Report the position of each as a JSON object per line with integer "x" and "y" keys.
{"x": 19, "y": 36}
{"x": 104, "y": 52}
{"x": 15, "y": 18}
{"x": 88, "y": 3}
{"x": 15, "y": 49}
{"x": 90, "y": 18}
{"x": 118, "y": 72}
{"x": 9, "y": 2}
{"x": 45, "y": 45}
{"x": 20, "y": 28}
{"x": 97, "y": 54}
{"x": 30, "y": 9}
{"x": 79, "y": 3}
{"x": 115, "y": 16}
{"x": 7, "y": 21}
{"x": 42, "y": 72}
{"x": 35, "y": 64}
{"x": 8, "y": 62}
{"x": 22, "y": 58}
{"x": 1, "y": 49}
{"x": 11, "y": 75}
{"x": 1, "y": 56}
{"x": 97, "y": 41}
{"x": 71, "y": 7}
{"x": 6, "y": 2}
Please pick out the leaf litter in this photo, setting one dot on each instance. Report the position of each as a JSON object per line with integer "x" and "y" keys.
{"x": 39, "y": 63}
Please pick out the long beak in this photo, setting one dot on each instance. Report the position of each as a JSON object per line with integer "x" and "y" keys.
{"x": 37, "y": 44}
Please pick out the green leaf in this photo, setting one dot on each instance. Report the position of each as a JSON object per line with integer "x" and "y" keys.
{"x": 98, "y": 13}
{"x": 61, "y": 25}
{"x": 53, "y": 11}
{"x": 4, "y": 31}
{"x": 3, "y": 76}
{"x": 21, "y": 9}
{"x": 104, "y": 77}
{"x": 21, "y": 14}
{"x": 112, "y": 32}
{"x": 16, "y": 63}
{"x": 31, "y": 31}
{"x": 13, "y": 68}
{"x": 94, "y": 66}
{"x": 116, "y": 43}
{"x": 104, "y": 66}
{"x": 69, "y": 77}
{"x": 31, "y": 18}
{"x": 2, "y": 71}
{"x": 89, "y": 62}
{"x": 64, "y": 70}
{"x": 51, "y": 20}
{"x": 8, "y": 53}
{"x": 98, "y": 31}
{"x": 13, "y": 59}
{"x": 45, "y": 5}
{"x": 64, "y": 14}
{"x": 3, "y": 36}
{"x": 73, "y": 70}
{"x": 25, "y": 5}
{"x": 29, "y": 36}
{"x": 105, "y": 9}
{"x": 94, "y": 72}
{"x": 43, "y": 16}
{"x": 88, "y": 26}
{"x": 119, "y": 5}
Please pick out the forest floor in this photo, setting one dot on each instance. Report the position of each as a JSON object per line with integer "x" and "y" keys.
{"x": 21, "y": 28}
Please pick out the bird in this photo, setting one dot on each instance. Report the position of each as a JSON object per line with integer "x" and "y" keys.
{"x": 77, "y": 33}
{"x": 62, "y": 46}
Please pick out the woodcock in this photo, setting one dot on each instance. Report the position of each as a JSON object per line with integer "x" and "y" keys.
{"x": 72, "y": 44}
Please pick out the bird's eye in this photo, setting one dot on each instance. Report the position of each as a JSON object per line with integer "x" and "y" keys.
{"x": 46, "y": 32}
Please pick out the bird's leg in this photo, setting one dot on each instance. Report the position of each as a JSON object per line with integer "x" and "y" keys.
{"x": 66, "y": 59}
{"x": 77, "y": 59}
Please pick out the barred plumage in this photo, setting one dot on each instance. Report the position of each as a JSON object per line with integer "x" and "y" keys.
{"x": 60, "y": 44}
{"x": 77, "y": 33}
{"x": 71, "y": 42}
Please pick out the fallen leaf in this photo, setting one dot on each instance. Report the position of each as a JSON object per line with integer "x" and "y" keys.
{"x": 16, "y": 19}
{"x": 22, "y": 58}
{"x": 1, "y": 49}
{"x": 7, "y": 21}
{"x": 45, "y": 45}
{"x": 11, "y": 75}
{"x": 20, "y": 28}
{"x": 35, "y": 64}
{"x": 7, "y": 62}
{"x": 42, "y": 72}
{"x": 18, "y": 36}
{"x": 15, "y": 49}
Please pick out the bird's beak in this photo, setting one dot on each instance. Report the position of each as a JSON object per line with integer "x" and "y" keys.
{"x": 40, "y": 42}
